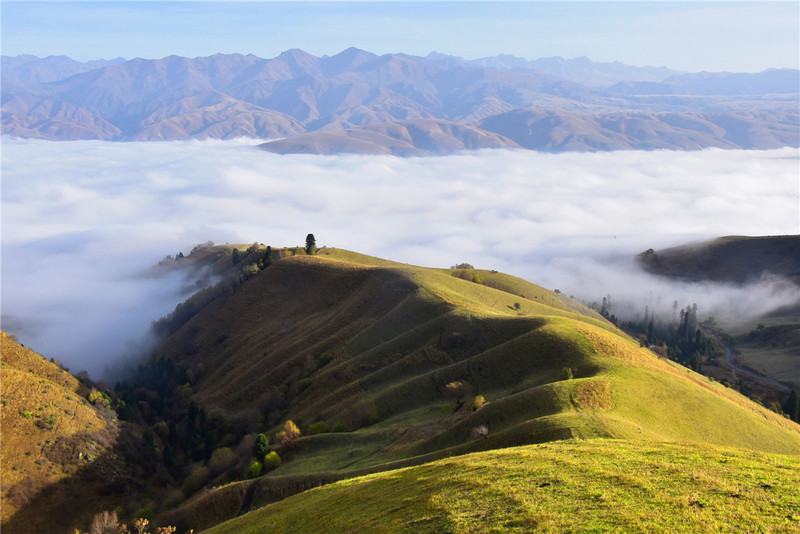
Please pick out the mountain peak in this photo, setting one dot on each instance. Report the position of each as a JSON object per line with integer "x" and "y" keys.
{"x": 346, "y": 60}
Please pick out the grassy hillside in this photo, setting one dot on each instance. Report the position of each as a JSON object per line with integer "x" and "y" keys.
{"x": 572, "y": 486}
{"x": 51, "y": 434}
{"x": 371, "y": 346}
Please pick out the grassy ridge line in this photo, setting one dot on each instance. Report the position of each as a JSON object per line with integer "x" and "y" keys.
{"x": 578, "y": 486}
{"x": 495, "y": 294}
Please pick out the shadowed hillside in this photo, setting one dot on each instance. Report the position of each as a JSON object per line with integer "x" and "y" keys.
{"x": 735, "y": 259}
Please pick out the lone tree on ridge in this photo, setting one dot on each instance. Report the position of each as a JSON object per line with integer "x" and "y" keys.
{"x": 311, "y": 244}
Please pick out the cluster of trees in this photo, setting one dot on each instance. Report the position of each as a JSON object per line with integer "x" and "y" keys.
{"x": 264, "y": 458}
{"x": 178, "y": 431}
{"x": 107, "y": 523}
{"x": 681, "y": 339}
{"x": 181, "y": 448}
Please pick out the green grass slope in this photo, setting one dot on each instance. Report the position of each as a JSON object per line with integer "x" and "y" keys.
{"x": 344, "y": 338}
{"x": 572, "y": 486}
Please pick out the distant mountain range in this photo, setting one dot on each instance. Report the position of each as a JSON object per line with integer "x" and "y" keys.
{"x": 356, "y": 101}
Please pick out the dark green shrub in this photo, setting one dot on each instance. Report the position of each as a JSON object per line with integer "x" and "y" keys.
{"x": 320, "y": 427}
{"x": 324, "y": 359}
{"x": 339, "y": 427}
{"x": 566, "y": 373}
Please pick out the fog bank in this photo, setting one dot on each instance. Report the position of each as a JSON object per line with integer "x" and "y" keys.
{"x": 83, "y": 220}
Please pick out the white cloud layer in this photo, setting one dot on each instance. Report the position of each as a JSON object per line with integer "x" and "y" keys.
{"x": 81, "y": 220}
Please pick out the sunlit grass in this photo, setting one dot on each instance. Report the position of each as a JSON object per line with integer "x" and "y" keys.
{"x": 577, "y": 486}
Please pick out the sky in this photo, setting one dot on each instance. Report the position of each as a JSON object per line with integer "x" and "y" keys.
{"x": 689, "y": 36}
{"x": 84, "y": 221}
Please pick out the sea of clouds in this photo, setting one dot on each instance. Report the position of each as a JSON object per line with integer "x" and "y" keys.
{"x": 83, "y": 221}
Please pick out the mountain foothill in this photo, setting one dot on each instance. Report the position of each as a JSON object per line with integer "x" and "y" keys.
{"x": 360, "y": 102}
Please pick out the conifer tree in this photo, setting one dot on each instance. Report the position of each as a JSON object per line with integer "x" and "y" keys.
{"x": 311, "y": 244}
{"x": 261, "y": 447}
{"x": 792, "y": 407}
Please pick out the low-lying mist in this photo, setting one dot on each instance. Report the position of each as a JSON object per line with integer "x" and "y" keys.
{"x": 83, "y": 221}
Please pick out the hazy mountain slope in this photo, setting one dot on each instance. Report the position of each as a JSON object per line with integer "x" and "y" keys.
{"x": 347, "y": 339}
{"x": 559, "y": 131}
{"x": 232, "y": 95}
{"x": 34, "y": 70}
{"x": 578, "y": 70}
{"x": 582, "y": 486}
{"x": 775, "y": 81}
{"x": 214, "y": 115}
{"x": 27, "y": 115}
{"x": 51, "y": 435}
{"x": 422, "y": 137}
{"x": 736, "y": 259}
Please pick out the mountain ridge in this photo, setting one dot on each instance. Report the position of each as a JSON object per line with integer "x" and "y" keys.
{"x": 296, "y": 93}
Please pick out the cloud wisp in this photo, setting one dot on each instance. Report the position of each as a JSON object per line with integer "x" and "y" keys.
{"x": 83, "y": 220}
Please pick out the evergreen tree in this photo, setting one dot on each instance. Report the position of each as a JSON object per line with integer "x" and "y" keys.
{"x": 261, "y": 447}
{"x": 311, "y": 244}
{"x": 792, "y": 407}
{"x": 266, "y": 260}
{"x": 235, "y": 256}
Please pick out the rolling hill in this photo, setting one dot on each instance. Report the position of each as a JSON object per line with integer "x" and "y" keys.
{"x": 386, "y": 366}
{"x": 374, "y": 347}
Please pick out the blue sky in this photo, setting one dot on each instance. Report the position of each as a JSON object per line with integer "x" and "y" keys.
{"x": 693, "y": 36}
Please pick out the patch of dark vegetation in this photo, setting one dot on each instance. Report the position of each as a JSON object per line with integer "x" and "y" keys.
{"x": 680, "y": 339}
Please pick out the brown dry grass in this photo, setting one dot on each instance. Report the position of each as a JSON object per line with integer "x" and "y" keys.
{"x": 594, "y": 395}
{"x": 49, "y": 431}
